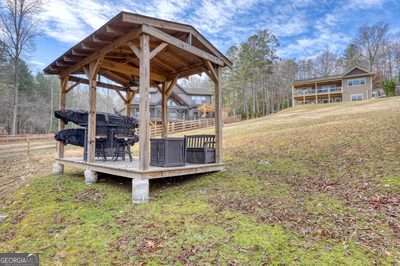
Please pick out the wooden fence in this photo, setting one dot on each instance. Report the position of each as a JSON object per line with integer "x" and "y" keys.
{"x": 27, "y": 144}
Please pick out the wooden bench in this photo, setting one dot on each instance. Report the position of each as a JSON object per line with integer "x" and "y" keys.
{"x": 200, "y": 149}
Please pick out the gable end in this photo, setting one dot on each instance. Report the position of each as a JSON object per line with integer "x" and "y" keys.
{"x": 356, "y": 71}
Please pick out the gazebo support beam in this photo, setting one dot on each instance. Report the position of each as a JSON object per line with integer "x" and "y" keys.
{"x": 91, "y": 72}
{"x": 128, "y": 103}
{"x": 58, "y": 169}
{"x": 140, "y": 187}
{"x": 212, "y": 74}
{"x": 129, "y": 70}
{"x": 158, "y": 49}
{"x": 219, "y": 123}
{"x": 71, "y": 87}
{"x": 98, "y": 84}
{"x": 164, "y": 110}
{"x": 144, "y": 85}
{"x": 165, "y": 37}
{"x": 171, "y": 85}
{"x": 123, "y": 98}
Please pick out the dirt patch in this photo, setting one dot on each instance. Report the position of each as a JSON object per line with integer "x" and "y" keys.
{"x": 17, "y": 171}
{"x": 89, "y": 195}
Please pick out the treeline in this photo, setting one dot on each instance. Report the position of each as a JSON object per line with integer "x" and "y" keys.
{"x": 260, "y": 83}
{"x": 37, "y": 98}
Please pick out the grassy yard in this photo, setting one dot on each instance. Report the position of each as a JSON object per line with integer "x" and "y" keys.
{"x": 310, "y": 185}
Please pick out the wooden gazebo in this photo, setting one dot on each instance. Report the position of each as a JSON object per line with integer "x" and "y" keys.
{"x": 127, "y": 50}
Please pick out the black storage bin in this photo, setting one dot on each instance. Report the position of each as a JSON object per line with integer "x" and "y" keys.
{"x": 167, "y": 152}
{"x": 200, "y": 149}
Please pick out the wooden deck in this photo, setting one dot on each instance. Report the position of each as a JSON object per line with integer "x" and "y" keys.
{"x": 130, "y": 169}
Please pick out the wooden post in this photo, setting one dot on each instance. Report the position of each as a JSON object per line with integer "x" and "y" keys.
{"x": 28, "y": 146}
{"x": 144, "y": 112}
{"x": 316, "y": 93}
{"x": 61, "y": 107}
{"x": 92, "y": 120}
{"x": 293, "y": 101}
{"x": 219, "y": 123}
{"x": 128, "y": 103}
{"x": 91, "y": 72}
{"x": 58, "y": 168}
{"x": 164, "y": 110}
{"x": 329, "y": 95}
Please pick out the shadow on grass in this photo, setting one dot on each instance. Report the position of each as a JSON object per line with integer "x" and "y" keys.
{"x": 156, "y": 185}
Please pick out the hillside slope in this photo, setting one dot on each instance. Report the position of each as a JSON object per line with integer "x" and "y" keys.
{"x": 310, "y": 185}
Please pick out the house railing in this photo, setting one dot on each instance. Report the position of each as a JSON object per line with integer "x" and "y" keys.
{"x": 182, "y": 125}
{"x": 318, "y": 91}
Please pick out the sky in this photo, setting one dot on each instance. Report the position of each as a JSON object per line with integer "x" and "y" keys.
{"x": 304, "y": 27}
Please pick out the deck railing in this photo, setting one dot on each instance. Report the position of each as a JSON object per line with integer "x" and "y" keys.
{"x": 183, "y": 125}
{"x": 319, "y": 91}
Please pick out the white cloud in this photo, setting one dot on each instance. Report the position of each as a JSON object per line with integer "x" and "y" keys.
{"x": 288, "y": 26}
{"x": 71, "y": 20}
{"x": 363, "y": 4}
{"x": 167, "y": 9}
{"x": 312, "y": 46}
{"x": 215, "y": 16}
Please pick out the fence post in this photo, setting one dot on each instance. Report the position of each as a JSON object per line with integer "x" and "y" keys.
{"x": 28, "y": 146}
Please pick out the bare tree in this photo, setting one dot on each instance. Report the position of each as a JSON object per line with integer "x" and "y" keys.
{"x": 18, "y": 28}
{"x": 352, "y": 56}
{"x": 326, "y": 63}
{"x": 371, "y": 39}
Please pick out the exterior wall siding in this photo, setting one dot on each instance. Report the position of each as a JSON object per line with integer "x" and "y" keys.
{"x": 365, "y": 90}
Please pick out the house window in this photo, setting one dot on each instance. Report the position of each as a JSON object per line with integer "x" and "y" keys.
{"x": 171, "y": 103}
{"x": 356, "y": 82}
{"x": 357, "y": 97}
{"x": 199, "y": 99}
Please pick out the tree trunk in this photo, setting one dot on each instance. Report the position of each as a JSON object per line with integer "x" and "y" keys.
{"x": 14, "y": 129}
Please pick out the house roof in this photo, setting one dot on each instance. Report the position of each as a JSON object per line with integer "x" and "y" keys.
{"x": 155, "y": 98}
{"x": 184, "y": 52}
{"x": 198, "y": 91}
{"x": 361, "y": 70}
{"x": 356, "y": 71}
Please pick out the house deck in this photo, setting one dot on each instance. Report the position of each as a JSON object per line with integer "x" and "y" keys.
{"x": 130, "y": 169}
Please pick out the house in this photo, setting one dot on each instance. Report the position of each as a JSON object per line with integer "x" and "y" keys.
{"x": 353, "y": 85}
{"x": 3, "y": 130}
{"x": 183, "y": 104}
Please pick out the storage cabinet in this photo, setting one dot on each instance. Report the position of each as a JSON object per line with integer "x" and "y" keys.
{"x": 167, "y": 152}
